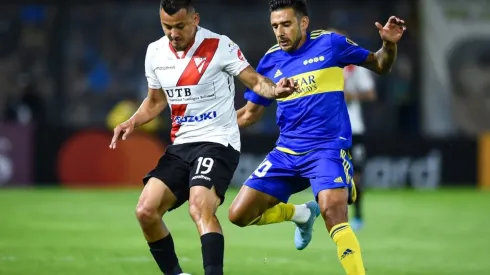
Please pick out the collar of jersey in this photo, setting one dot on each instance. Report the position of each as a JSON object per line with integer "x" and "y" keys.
{"x": 303, "y": 47}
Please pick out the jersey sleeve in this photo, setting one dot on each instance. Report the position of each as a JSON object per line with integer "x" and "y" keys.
{"x": 232, "y": 58}
{"x": 153, "y": 82}
{"x": 346, "y": 51}
{"x": 254, "y": 97}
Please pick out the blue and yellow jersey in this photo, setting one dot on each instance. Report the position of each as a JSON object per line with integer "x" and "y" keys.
{"x": 316, "y": 117}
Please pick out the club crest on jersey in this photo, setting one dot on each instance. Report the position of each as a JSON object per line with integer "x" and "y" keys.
{"x": 200, "y": 61}
{"x": 232, "y": 46}
{"x": 198, "y": 118}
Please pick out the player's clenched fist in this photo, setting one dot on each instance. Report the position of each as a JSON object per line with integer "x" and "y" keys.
{"x": 285, "y": 87}
{"x": 126, "y": 128}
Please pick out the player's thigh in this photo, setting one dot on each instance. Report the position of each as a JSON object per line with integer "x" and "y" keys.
{"x": 166, "y": 184}
{"x": 249, "y": 204}
{"x": 156, "y": 197}
{"x": 203, "y": 201}
{"x": 330, "y": 172}
{"x": 211, "y": 172}
{"x": 275, "y": 179}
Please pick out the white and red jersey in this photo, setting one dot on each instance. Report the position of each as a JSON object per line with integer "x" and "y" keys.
{"x": 199, "y": 86}
{"x": 357, "y": 80}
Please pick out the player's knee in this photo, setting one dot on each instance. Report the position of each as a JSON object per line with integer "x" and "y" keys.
{"x": 147, "y": 215}
{"x": 200, "y": 212}
{"x": 195, "y": 211}
{"x": 334, "y": 213}
{"x": 237, "y": 217}
{"x": 333, "y": 205}
{"x": 202, "y": 206}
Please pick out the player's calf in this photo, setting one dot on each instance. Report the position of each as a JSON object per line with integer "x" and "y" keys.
{"x": 154, "y": 201}
{"x": 203, "y": 203}
{"x": 333, "y": 206}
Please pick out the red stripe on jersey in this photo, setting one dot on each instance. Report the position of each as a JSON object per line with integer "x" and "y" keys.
{"x": 177, "y": 110}
{"x": 191, "y": 76}
{"x": 204, "y": 53}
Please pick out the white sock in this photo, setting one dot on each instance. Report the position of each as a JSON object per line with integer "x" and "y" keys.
{"x": 301, "y": 214}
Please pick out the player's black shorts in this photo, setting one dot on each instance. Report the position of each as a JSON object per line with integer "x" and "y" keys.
{"x": 358, "y": 153}
{"x": 196, "y": 164}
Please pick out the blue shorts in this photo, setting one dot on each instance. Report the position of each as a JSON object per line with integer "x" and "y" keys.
{"x": 280, "y": 175}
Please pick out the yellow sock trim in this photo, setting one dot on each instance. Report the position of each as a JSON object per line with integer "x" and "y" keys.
{"x": 348, "y": 249}
{"x": 279, "y": 213}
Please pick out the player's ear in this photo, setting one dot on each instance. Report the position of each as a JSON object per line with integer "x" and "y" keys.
{"x": 196, "y": 19}
{"x": 305, "y": 22}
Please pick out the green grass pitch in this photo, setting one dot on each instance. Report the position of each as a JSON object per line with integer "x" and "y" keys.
{"x": 93, "y": 232}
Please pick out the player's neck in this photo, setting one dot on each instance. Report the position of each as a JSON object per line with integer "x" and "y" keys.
{"x": 301, "y": 43}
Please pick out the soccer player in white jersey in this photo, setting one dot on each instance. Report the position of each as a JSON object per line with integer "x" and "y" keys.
{"x": 191, "y": 69}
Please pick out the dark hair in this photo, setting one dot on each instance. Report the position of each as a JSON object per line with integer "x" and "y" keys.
{"x": 173, "y": 6}
{"x": 299, "y": 6}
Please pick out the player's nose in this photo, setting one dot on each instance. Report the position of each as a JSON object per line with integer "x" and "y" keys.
{"x": 174, "y": 35}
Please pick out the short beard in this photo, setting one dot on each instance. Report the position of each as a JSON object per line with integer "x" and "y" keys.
{"x": 295, "y": 44}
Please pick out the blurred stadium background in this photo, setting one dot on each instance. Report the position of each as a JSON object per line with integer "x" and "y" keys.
{"x": 69, "y": 71}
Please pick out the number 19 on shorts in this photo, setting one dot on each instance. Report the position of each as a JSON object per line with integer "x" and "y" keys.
{"x": 204, "y": 165}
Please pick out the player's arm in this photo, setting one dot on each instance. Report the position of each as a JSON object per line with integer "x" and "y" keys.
{"x": 349, "y": 53}
{"x": 256, "y": 104}
{"x": 249, "y": 114}
{"x": 152, "y": 106}
{"x": 263, "y": 86}
{"x": 235, "y": 64}
{"x": 154, "y": 103}
{"x": 381, "y": 61}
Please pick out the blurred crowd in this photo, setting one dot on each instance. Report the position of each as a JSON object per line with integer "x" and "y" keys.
{"x": 71, "y": 65}
{"x": 27, "y": 83}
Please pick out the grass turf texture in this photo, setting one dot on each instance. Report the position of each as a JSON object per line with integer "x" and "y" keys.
{"x": 54, "y": 231}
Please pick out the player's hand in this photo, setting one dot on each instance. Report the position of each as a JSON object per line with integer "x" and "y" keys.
{"x": 285, "y": 87}
{"x": 393, "y": 30}
{"x": 126, "y": 128}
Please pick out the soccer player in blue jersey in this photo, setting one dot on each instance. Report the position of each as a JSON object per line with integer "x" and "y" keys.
{"x": 315, "y": 132}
